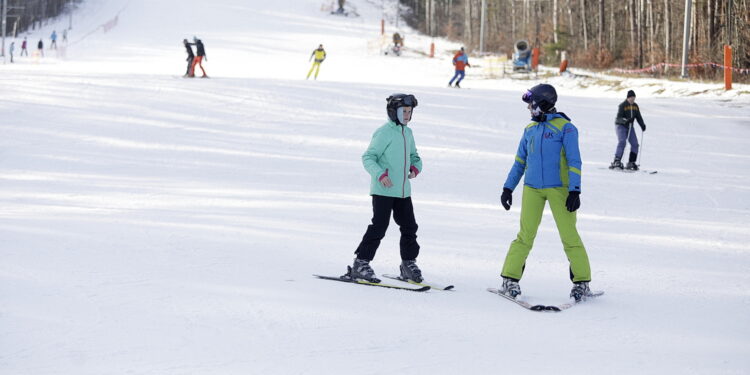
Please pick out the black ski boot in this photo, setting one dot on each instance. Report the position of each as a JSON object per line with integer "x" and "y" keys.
{"x": 631, "y": 162}
{"x": 631, "y": 166}
{"x": 510, "y": 288}
{"x": 580, "y": 291}
{"x": 361, "y": 270}
{"x": 617, "y": 164}
{"x": 410, "y": 271}
{"x": 457, "y": 86}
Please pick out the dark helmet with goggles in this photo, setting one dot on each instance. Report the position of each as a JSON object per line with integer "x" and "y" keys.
{"x": 542, "y": 96}
{"x": 397, "y": 101}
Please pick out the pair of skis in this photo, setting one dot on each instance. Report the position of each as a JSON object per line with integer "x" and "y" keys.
{"x": 622, "y": 170}
{"x": 418, "y": 287}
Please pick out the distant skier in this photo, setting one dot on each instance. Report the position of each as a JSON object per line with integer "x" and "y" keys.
{"x": 320, "y": 55}
{"x": 11, "y": 49}
{"x": 392, "y": 160}
{"x": 200, "y": 52}
{"x": 549, "y": 158}
{"x": 190, "y": 58}
{"x": 53, "y": 38}
{"x": 460, "y": 61}
{"x": 627, "y": 113}
{"x": 24, "y": 51}
{"x": 65, "y": 36}
{"x": 40, "y": 48}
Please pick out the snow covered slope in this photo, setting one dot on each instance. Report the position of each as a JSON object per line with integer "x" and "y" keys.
{"x": 152, "y": 224}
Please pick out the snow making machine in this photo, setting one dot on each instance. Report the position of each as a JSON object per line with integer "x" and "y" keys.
{"x": 522, "y": 56}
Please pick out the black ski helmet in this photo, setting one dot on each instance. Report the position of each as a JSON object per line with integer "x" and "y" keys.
{"x": 542, "y": 95}
{"x": 399, "y": 100}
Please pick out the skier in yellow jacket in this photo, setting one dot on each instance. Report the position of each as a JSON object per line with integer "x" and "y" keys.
{"x": 320, "y": 55}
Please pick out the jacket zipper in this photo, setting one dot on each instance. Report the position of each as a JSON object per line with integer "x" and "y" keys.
{"x": 541, "y": 156}
{"x": 403, "y": 186}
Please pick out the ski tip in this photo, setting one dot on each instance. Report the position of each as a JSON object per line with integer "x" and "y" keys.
{"x": 423, "y": 289}
{"x": 449, "y": 287}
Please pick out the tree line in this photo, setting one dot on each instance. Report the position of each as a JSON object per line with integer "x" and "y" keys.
{"x": 28, "y": 15}
{"x": 599, "y": 34}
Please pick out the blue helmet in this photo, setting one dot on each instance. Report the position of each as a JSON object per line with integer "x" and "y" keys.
{"x": 542, "y": 96}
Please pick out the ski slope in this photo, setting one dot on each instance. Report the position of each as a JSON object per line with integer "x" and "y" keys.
{"x": 152, "y": 224}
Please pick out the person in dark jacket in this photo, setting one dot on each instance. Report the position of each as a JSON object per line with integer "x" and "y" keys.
{"x": 190, "y": 57}
{"x": 24, "y": 51}
{"x": 200, "y": 52}
{"x": 40, "y": 47}
{"x": 627, "y": 113}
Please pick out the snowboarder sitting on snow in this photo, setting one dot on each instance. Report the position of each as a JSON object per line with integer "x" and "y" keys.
{"x": 398, "y": 40}
{"x": 461, "y": 61}
{"x": 391, "y": 160}
{"x": 190, "y": 58}
{"x": 627, "y": 113}
{"x": 549, "y": 158}
{"x": 320, "y": 55}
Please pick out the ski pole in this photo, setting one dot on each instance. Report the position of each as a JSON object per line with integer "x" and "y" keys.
{"x": 627, "y": 139}
{"x": 640, "y": 149}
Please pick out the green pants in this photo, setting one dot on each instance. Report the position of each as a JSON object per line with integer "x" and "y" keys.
{"x": 532, "y": 207}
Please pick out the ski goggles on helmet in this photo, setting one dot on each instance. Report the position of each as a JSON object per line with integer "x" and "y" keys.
{"x": 402, "y": 101}
{"x": 526, "y": 97}
{"x": 410, "y": 101}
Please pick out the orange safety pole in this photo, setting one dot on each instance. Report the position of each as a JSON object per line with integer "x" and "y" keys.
{"x": 727, "y": 67}
{"x": 534, "y": 57}
{"x": 382, "y": 26}
{"x": 563, "y": 66}
{"x": 432, "y": 49}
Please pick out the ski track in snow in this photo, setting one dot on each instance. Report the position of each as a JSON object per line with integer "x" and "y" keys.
{"x": 157, "y": 225}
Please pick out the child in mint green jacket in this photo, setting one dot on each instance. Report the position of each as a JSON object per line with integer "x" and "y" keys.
{"x": 391, "y": 160}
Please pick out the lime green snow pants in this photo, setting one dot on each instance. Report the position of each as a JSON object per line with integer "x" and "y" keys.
{"x": 532, "y": 207}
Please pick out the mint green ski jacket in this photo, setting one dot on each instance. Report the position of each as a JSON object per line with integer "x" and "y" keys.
{"x": 392, "y": 153}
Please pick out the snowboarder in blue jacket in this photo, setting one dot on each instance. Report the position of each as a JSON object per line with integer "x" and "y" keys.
{"x": 549, "y": 157}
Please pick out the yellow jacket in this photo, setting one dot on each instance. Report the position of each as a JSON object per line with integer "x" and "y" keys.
{"x": 320, "y": 55}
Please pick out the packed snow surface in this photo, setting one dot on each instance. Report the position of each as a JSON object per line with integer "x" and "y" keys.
{"x": 151, "y": 224}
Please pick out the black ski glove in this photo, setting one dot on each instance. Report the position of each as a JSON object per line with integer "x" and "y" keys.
{"x": 507, "y": 198}
{"x": 574, "y": 201}
{"x": 643, "y": 127}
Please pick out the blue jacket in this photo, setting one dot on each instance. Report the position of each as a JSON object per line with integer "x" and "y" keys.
{"x": 548, "y": 155}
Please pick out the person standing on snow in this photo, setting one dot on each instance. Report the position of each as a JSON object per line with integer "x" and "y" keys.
{"x": 627, "y": 113}
{"x": 549, "y": 158}
{"x": 460, "y": 61}
{"x": 200, "y": 52}
{"x": 24, "y": 51}
{"x": 392, "y": 160}
{"x": 190, "y": 58}
{"x": 11, "y": 49}
{"x": 53, "y": 38}
{"x": 320, "y": 55}
{"x": 40, "y": 47}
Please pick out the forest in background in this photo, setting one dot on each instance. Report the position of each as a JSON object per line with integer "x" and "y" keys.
{"x": 28, "y": 15}
{"x": 598, "y": 34}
